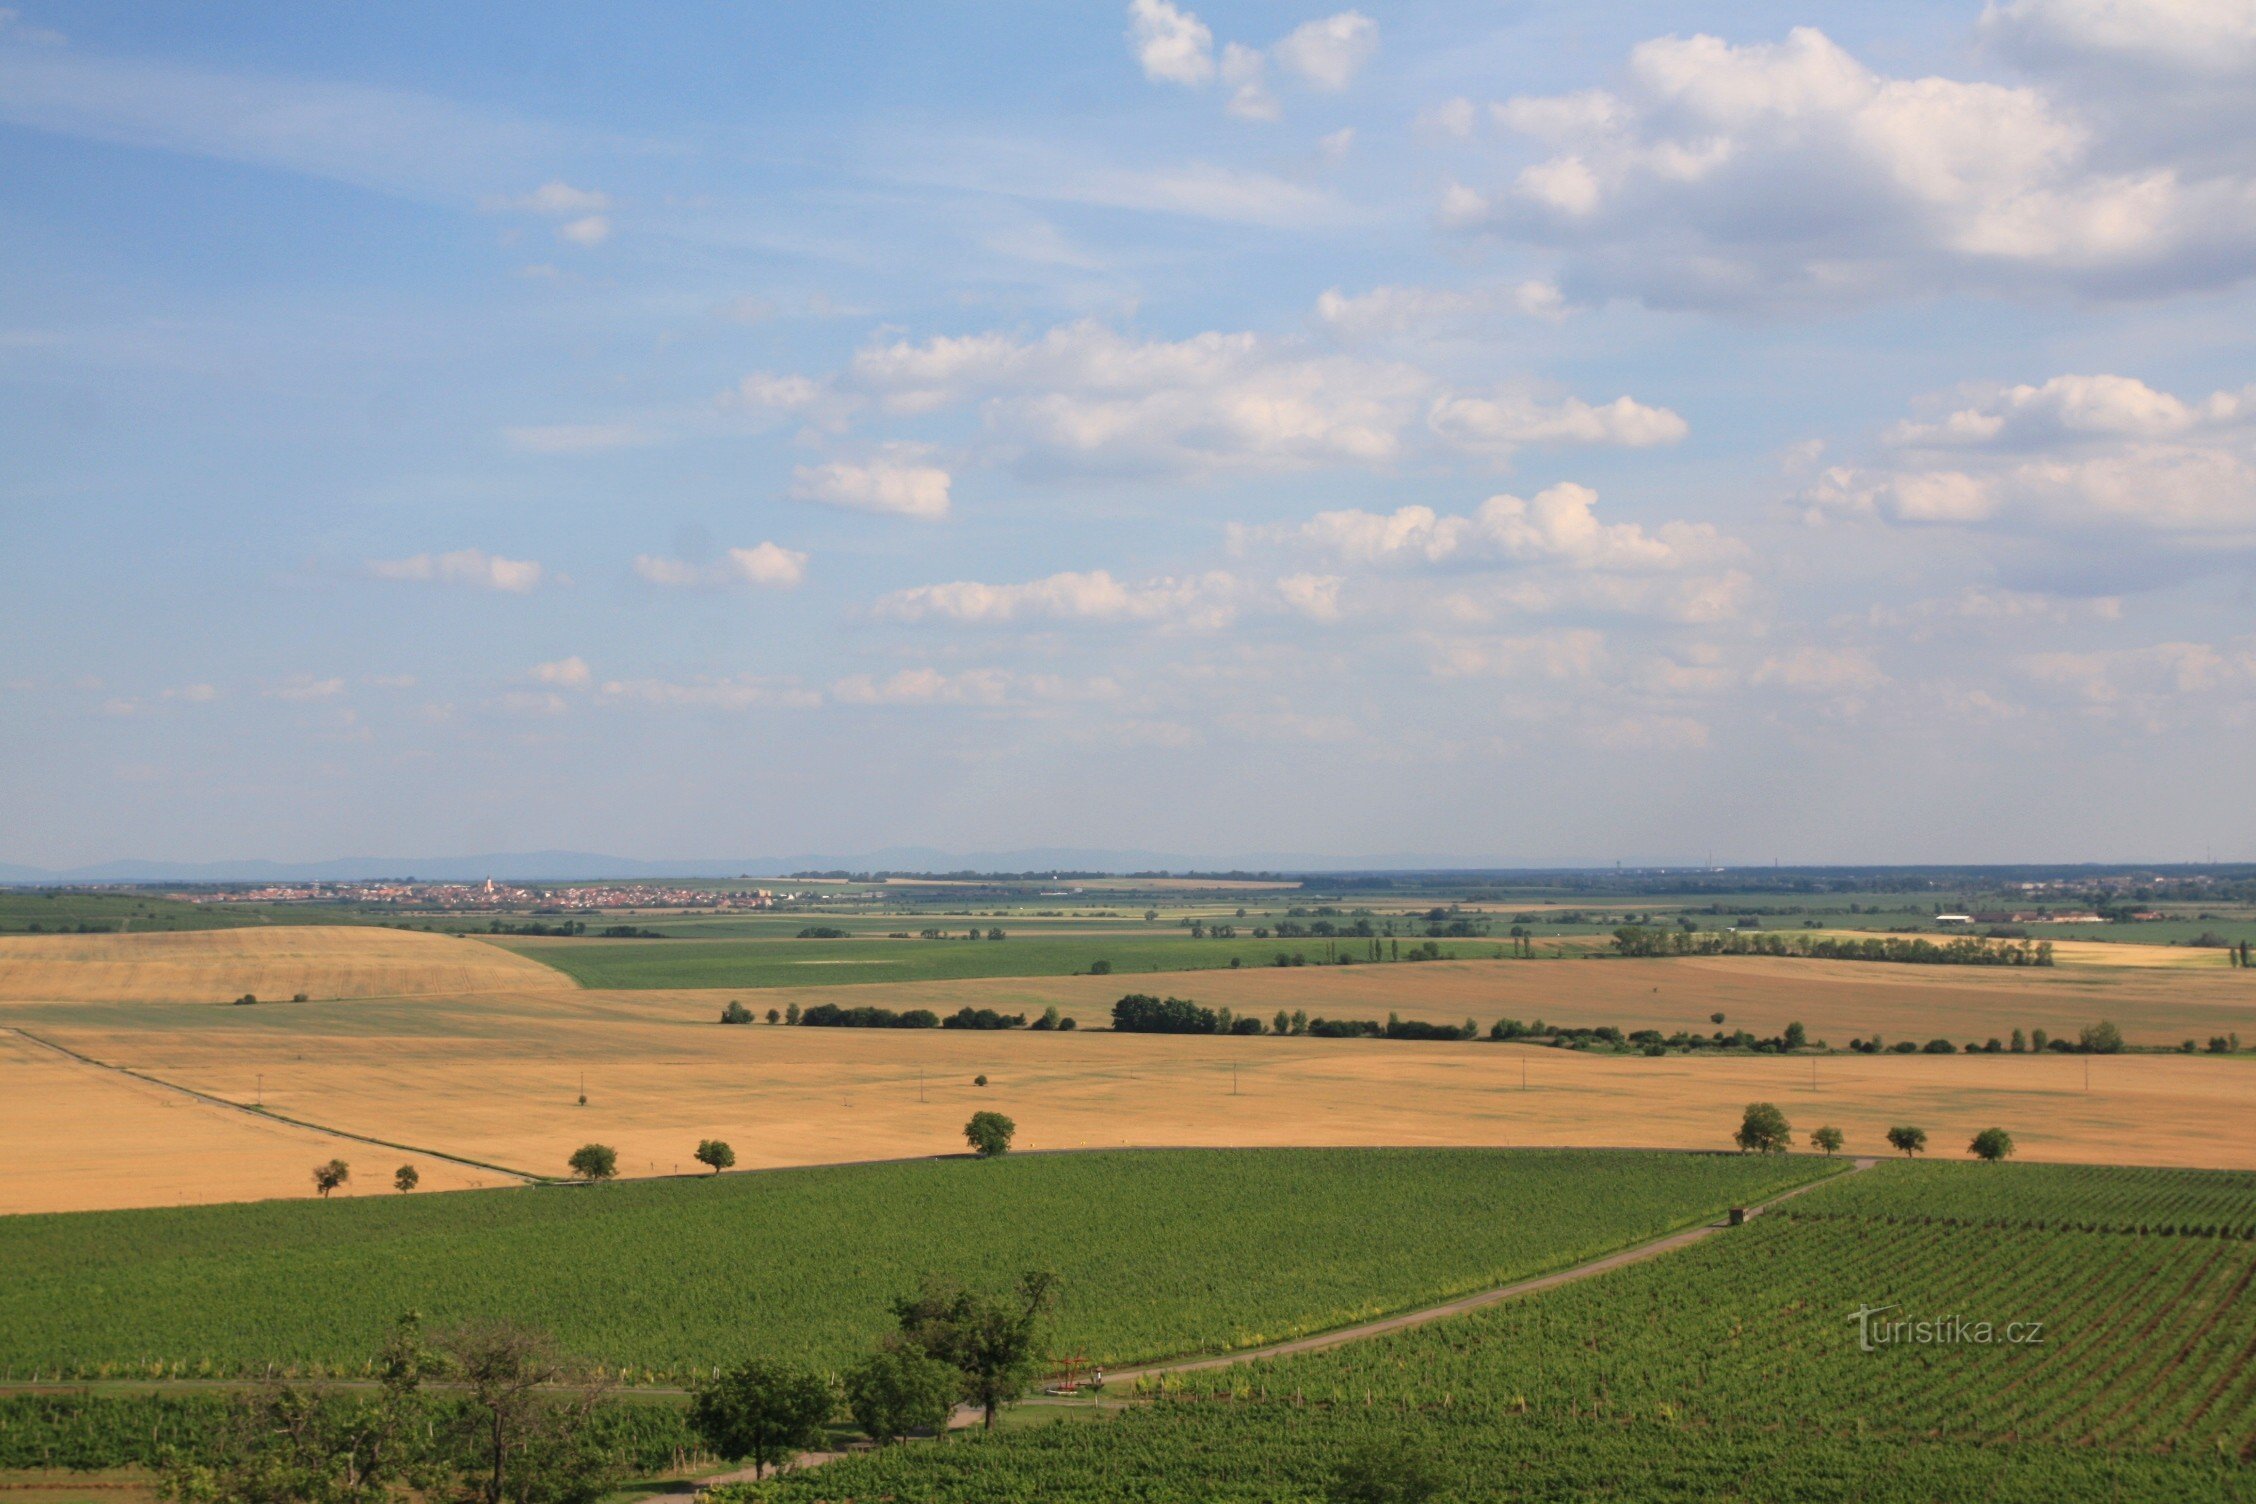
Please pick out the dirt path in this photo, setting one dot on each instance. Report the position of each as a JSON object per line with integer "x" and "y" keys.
{"x": 968, "y": 1415}
{"x": 208, "y": 1100}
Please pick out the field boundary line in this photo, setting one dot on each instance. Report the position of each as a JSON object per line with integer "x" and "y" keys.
{"x": 264, "y": 1116}
{"x": 1497, "y": 1295}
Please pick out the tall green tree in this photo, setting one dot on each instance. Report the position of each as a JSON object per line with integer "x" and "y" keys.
{"x": 763, "y": 1411}
{"x": 1909, "y": 1140}
{"x": 993, "y": 1341}
{"x": 895, "y": 1391}
{"x": 1992, "y": 1145}
{"x": 594, "y": 1162}
{"x": 1764, "y": 1130}
{"x": 989, "y": 1134}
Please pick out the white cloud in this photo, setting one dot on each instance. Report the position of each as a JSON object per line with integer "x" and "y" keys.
{"x": 1205, "y": 600}
{"x": 1790, "y": 170}
{"x": 1502, "y": 423}
{"x": 467, "y": 566}
{"x": 739, "y": 692}
{"x": 1558, "y": 526}
{"x": 1389, "y": 311}
{"x": 2204, "y": 38}
{"x": 1329, "y": 53}
{"x": 764, "y": 565}
{"x": 1172, "y": 45}
{"x": 193, "y": 694}
{"x": 592, "y": 229}
{"x": 1566, "y": 654}
{"x": 565, "y": 673}
{"x": 976, "y": 686}
{"x": 1822, "y": 670}
{"x": 1335, "y": 147}
{"x": 1246, "y": 71}
{"x": 577, "y": 438}
{"x": 302, "y": 688}
{"x": 559, "y": 198}
{"x": 2099, "y": 457}
{"x": 893, "y": 482}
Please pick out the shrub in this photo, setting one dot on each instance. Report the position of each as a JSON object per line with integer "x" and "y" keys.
{"x": 989, "y": 1133}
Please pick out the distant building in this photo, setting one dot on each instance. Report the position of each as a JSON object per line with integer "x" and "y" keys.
{"x": 1954, "y": 918}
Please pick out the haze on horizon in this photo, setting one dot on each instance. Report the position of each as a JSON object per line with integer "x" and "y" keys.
{"x": 1800, "y": 431}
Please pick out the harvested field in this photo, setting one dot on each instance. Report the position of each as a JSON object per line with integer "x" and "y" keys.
{"x": 217, "y": 966}
{"x": 80, "y": 1138}
{"x": 499, "y": 1081}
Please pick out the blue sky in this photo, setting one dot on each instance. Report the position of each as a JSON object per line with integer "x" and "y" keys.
{"x": 1511, "y": 432}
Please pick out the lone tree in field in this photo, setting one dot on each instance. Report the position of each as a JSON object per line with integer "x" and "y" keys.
{"x": 1764, "y": 1130}
{"x": 992, "y": 1341}
{"x": 989, "y": 1134}
{"x": 2102, "y": 1038}
{"x": 714, "y": 1152}
{"x": 1991, "y": 1144}
{"x": 328, "y": 1177}
{"x": 895, "y": 1391}
{"x": 406, "y": 1178}
{"x": 1828, "y": 1139}
{"x": 764, "y": 1411}
{"x": 1909, "y": 1140}
{"x": 594, "y": 1162}
{"x": 1389, "y": 1471}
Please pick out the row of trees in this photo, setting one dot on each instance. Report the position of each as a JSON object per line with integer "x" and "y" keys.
{"x": 1764, "y": 1130}
{"x": 1959, "y": 950}
{"x": 335, "y": 1173}
{"x": 832, "y": 1016}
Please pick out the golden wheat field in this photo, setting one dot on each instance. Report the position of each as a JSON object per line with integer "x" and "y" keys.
{"x": 77, "y": 1137}
{"x": 213, "y": 966}
{"x": 494, "y": 1071}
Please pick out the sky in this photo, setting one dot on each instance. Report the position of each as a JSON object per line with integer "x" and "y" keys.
{"x": 1516, "y": 433}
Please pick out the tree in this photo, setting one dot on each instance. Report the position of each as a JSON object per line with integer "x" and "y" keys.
{"x": 1909, "y": 1140}
{"x": 764, "y": 1411}
{"x": 1715, "y": 1018}
{"x": 989, "y": 1134}
{"x": 895, "y": 1391}
{"x": 1991, "y": 1145}
{"x": 2020, "y": 1044}
{"x": 406, "y": 1178}
{"x": 715, "y": 1152}
{"x": 774, "y": 1017}
{"x": 2038, "y": 1040}
{"x": 1828, "y": 1139}
{"x": 2102, "y": 1038}
{"x": 594, "y": 1162}
{"x": 1764, "y": 1130}
{"x": 791, "y": 1013}
{"x": 280, "y": 1444}
{"x": 1388, "y": 1471}
{"x": 992, "y": 1341}
{"x": 1796, "y": 1036}
{"x": 328, "y": 1177}
{"x": 532, "y": 1446}
{"x": 736, "y": 1013}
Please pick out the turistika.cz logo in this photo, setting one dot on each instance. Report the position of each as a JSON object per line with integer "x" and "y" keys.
{"x": 1953, "y": 1330}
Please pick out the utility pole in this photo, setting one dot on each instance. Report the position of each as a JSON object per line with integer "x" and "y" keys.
{"x": 262, "y": 1091}
{"x": 920, "y": 1083}
{"x": 1233, "y": 1078}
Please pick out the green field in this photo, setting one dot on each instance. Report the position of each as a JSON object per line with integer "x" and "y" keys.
{"x": 65, "y": 911}
{"x": 1734, "y": 1370}
{"x": 752, "y": 964}
{"x": 1160, "y": 1252}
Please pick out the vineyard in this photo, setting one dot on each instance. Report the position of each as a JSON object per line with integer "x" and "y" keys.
{"x": 2089, "y": 1198}
{"x": 2055, "y": 1364}
{"x": 659, "y": 1281}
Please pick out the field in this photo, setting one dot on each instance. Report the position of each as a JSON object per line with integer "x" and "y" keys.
{"x": 2116, "y": 1366}
{"x": 786, "y": 962}
{"x": 216, "y": 966}
{"x": 1160, "y": 1253}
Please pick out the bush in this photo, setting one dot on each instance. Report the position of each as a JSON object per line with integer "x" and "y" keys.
{"x": 981, "y": 1018}
{"x": 736, "y": 1013}
{"x": 990, "y": 1134}
{"x": 831, "y": 1016}
{"x": 823, "y": 932}
{"x": 594, "y": 1162}
{"x": 1141, "y": 1013}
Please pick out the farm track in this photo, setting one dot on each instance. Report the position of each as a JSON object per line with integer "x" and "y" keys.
{"x": 260, "y": 1114}
{"x": 969, "y": 1416}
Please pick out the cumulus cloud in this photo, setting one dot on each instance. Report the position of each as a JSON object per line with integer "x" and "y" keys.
{"x": 303, "y": 688}
{"x": 1558, "y": 525}
{"x": 1390, "y": 311}
{"x": 1329, "y": 53}
{"x": 992, "y": 687}
{"x": 1564, "y": 654}
{"x": 557, "y": 197}
{"x": 591, "y": 229}
{"x": 715, "y": 692}
{"x": 893, "y": 483}
{"x": 2202, "y": 38}
{"x": 1821, "y": 670}
{"x": 1172, "y": 45}
{"x": 467, "y": 566}
{"x": 1204, "y": 600}
{"x": 1087, "y": 395}
{"x": 2074, "y": 456}
{"x": 764, "y": 565}
{"x": 565, "y": 673}
{"x": 1726, "y": 174}
{"x": 2156, "y": 687}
